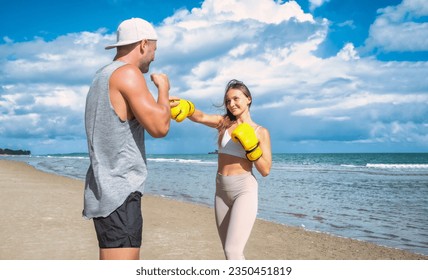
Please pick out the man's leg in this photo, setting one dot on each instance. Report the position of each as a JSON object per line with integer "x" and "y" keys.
{"x": 120, "y": 254}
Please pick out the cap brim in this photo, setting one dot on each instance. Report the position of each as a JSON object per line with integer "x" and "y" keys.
{"x": 123, "y": 43}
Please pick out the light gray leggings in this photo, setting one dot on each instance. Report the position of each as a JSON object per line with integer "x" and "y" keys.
{"x": 235, "y": 211}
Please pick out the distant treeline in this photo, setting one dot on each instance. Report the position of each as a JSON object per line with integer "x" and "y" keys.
{"x": 14, "y": 152}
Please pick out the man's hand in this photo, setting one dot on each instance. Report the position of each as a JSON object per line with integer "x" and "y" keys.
{"x": 161, "y": 81}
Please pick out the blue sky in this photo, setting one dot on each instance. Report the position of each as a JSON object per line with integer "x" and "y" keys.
{"x": 326, "y": 75}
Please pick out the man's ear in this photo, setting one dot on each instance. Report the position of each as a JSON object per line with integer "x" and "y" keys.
{"x": 143, "y": 45}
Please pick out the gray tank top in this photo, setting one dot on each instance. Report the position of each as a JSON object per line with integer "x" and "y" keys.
{"x": 116, "y": 150}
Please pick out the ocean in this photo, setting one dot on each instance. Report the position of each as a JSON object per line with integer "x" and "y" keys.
{"x": 379, "y": 198}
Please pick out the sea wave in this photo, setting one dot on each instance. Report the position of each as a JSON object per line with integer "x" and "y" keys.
{"x": 397, "y": 166}
{"x": 67, "y": 157}
{"x": 180, "y": 160}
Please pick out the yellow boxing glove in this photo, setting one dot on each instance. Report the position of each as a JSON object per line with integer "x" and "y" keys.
{"x": 183, "y": 110}
{"x": 246, "y": 135}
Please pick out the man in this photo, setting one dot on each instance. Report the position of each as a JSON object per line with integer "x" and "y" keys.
{"x": 119, "y": 108}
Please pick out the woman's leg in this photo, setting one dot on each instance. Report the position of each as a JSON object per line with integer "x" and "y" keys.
{"x": 222, "y": 216}
{"x": 236, "y": 210}
{"x": 242, "y": 217}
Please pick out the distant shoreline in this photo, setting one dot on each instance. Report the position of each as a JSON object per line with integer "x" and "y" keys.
{"x": 11, "y": 152}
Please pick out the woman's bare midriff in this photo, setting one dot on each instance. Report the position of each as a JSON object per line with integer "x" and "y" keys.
{"x": 230, "y": 165}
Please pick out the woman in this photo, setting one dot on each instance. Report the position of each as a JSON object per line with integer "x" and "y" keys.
{"x": 242, "y": 144}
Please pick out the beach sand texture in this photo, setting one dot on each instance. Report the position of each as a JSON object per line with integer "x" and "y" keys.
{"x": 41, "y": 220}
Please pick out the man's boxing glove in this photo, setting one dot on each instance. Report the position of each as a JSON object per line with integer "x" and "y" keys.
{"x": 246, "y": 135}
{"x": 183, "y": 110}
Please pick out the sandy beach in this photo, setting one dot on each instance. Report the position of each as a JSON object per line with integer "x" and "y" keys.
{"x": 41, "y": 220}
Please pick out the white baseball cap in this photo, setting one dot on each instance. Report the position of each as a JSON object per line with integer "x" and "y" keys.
{"x": 132, "y": 31}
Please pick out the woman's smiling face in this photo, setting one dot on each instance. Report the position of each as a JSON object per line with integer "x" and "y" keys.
{"x": 236, "y": 101}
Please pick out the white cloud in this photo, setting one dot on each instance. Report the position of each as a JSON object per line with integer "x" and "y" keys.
{"x": 297, "y": 95}
{"x": 348, "y": 23}
{"x": 7, "y": 40}
{"x": 72, "y": 98}
{"x": 397, "y": 132}
{"x": 44, "y": 85}
{"x": 289, "y": 80}
{"x": 398, "y": 28}
{"x": 218, "y": 11}
{"x": 69, "y": 58}
{"x": 363, "y": 100}
{"x": 348, "y": 52}
{"x": 316, "y": 4}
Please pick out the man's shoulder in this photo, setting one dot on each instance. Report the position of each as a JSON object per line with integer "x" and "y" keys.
{"x": 128, "y": 70}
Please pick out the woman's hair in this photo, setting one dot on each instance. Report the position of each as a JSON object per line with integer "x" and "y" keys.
{"x": 228, "y": 117}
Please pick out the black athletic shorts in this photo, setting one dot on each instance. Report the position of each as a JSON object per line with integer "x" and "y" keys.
{"x": 123, "y": 228}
